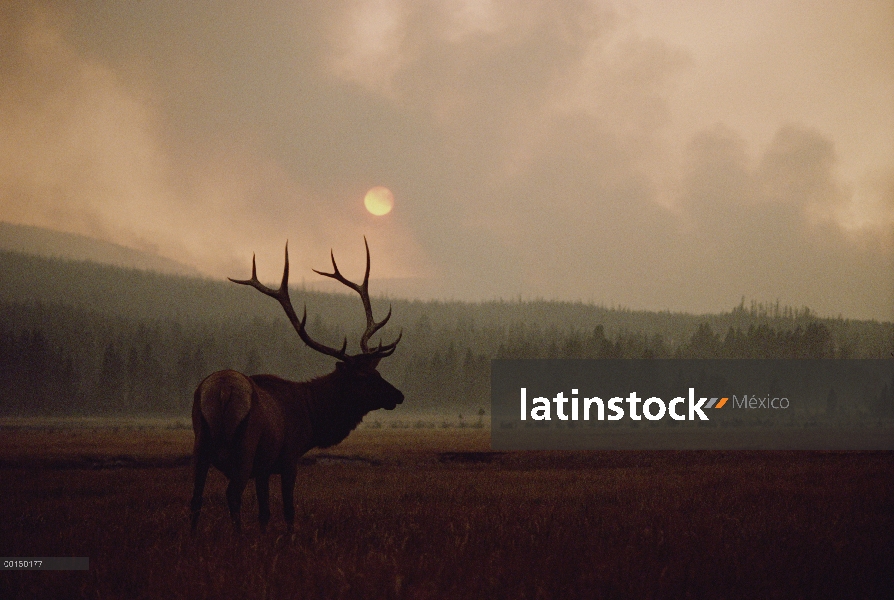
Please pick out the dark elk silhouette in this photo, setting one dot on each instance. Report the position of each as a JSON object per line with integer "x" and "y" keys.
{"x": 252, "y": 426}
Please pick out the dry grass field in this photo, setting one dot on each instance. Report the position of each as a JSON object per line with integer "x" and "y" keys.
{"x": 432, "y": 513}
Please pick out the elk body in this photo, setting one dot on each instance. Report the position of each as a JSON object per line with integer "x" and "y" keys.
{"x": 254, "y": 426}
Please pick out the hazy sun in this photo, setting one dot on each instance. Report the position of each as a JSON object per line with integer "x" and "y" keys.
{"x": 379, "y": 201}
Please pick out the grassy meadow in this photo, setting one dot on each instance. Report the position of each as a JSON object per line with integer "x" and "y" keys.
{"x": 433, "y": 513}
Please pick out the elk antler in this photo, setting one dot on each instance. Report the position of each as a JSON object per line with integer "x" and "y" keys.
{"x": 363, "y": 289}
{"x": 282, "y": 295}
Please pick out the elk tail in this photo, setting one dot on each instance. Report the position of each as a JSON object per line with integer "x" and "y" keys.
{"x": 225, "y": 405}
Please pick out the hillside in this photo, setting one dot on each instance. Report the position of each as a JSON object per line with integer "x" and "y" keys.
{"x": 140, "y": 295}
{"x": 81, "y": 338}
{"x": 49, "y": 243}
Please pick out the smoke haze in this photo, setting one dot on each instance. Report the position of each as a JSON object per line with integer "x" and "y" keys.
{"x": 621, "y": 153}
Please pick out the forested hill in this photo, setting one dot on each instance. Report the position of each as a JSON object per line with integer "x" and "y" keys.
{"x": 83, "y": 338}
{"x": 51, "y": 243}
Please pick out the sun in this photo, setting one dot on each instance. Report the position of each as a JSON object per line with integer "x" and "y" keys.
{"x": 379, "y": 201}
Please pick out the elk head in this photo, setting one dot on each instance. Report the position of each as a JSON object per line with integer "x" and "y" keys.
{"x": 368, "y": 389}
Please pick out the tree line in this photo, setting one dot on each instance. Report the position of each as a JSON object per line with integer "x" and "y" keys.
{"x": 104, "y": 340}
{"x": 88, "y": 363}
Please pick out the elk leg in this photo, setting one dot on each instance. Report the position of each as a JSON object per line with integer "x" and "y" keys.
{"x": 234, "y": 500}
{"x": 239, "y": 477}
{"x": 262, "y": 488}
{"x": 287, "y": 480}
{"x": 202, "y": 464}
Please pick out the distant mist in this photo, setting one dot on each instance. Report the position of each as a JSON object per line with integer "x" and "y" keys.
{"x": 624, "y": 154}
{"x": 78, "y": 338}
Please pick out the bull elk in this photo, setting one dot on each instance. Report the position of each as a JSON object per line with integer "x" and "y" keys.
{"x": 253, "y": 426}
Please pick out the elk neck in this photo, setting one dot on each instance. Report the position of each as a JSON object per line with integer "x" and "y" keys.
{"x": 333, "y": 412}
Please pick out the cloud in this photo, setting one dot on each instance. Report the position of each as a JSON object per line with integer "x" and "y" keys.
{"x": 87, "y": 147}
{"x": 548, "y": 149}
{"x": 544, "y": 116}
{"x": 766, "y": 228}
{"x": 71, "y": 135}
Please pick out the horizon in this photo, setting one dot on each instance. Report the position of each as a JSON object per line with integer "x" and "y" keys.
{"x": 771, "y": 309}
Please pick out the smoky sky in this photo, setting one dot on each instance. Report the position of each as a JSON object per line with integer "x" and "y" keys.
{"x": 620, "y": 153}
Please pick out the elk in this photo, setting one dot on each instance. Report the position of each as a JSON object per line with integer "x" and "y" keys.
{"x": 253, "y": 426}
